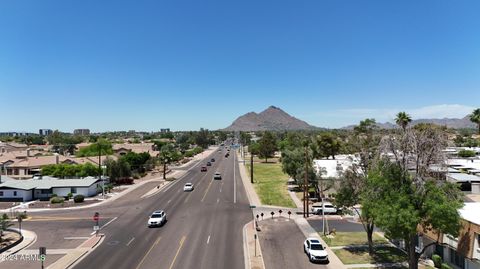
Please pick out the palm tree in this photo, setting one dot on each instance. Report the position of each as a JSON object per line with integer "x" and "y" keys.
{"x": 4, "y": 225}
{"x": 165, "y": 157}
{"x": 403, "y": 119}
{"x": 475, "y": 118}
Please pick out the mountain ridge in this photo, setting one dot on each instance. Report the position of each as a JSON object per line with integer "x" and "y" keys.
{"x": 271, "y": 119}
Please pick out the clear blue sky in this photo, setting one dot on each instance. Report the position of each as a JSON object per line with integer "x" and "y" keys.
{"x": 146, "y": 65}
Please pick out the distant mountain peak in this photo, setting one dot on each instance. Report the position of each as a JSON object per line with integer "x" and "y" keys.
{"x": 271, "y": 119}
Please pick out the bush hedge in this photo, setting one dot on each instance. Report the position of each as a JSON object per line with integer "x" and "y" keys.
{"x": 57, "y": 200}
{"x": 446, "y": 266}
{"x": 78, "y": 198}
{"x": 437, "y": 260}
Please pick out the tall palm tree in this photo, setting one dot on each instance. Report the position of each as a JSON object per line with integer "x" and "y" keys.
{"x": 403, "y": 119}
{"x": 475, "y": 118}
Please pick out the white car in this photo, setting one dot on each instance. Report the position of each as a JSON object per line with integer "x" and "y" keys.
{"x": 315, "y": 250}
{"x": 188, "y": 187}
{"x": 327, "y": 207}
{"x": 158, "y": 218}
{"x": 217, "y": 175}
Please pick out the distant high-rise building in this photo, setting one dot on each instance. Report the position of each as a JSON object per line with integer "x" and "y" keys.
{"x": 81, "y": 132}
{"x": 165, "y": 130}
{"x": 45, "y": 132}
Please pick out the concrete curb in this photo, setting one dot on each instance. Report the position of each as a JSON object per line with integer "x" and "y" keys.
{"x": 29, "y": 238}
{"x": 251, "y": 261}
{"x": 249, "y": 188}
{"x": 76, "y": 255}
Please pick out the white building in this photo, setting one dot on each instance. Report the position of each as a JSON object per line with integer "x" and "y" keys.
{"x": 33, "y": 189}
{"x": 333, "y": 168}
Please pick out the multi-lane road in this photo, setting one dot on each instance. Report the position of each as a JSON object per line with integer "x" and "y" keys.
{"x": 204, "y": 227}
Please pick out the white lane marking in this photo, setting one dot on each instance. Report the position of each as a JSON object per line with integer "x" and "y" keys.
{"x": 169, "y": 201}
{"x": 208, "y": 240}
{"x": 131, "y": 240}
{"x": 218, "y": 200}
{"x": 220, "y": 189}
{"x": 234, "y": 181}
{"x": 76, "y": 238}
{"x": 105, "y": 225}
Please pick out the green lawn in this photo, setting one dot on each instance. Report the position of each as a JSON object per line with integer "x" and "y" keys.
{"x": 271, "y": 184}
{"x": 359, "y": 255}
{"x": 351, "y": 238}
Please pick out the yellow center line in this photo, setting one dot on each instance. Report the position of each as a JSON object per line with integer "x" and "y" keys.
{"x": 178, "y": 251}
{"x": 206, "y": 191}
{"x": 148, "y": 252}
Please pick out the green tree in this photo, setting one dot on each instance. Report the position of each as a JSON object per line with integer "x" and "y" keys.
{"x": 166, "y": 156}
{"x": 203, "y": 138}
{"x": 403, "y": 119}
{"x": 475, "y": 118}
{"x": 353, "y": 187}
{"x": 102, "y": 147}
{"x": 401, "y": 206}
{"x": 137, "y": 161}
{"x": 267, "y": 145}
{"x": 118, "y": 171}
{"x": 328, "y": 145}
{"x": 407, "y": 198}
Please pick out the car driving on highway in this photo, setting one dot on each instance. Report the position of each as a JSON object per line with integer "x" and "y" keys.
{"x": 314, "y": 250}
{"x": 203, "y": 169}
{"x": 158, "y": 218}
{"x": 188, "y": 187}
{"x": 217, "y": 175}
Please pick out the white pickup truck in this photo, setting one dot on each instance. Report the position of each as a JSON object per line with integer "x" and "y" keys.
{"x": 327, "y": 207}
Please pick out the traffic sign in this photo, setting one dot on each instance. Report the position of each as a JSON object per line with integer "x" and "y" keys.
{"x": 42, "y": 250}
{"x": 43, "y": 257}
{"x": 253, "y": 206}
{"x": 96, "y": 228}
{"x": 96, "y": 216}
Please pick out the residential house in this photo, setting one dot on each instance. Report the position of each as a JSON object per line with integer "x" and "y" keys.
{"x": 12, "y": 146}
{"x": 463, "y": 251}
{"x": 333, "y": 168}
{"x": 43, "y": 189}
{"x": 122, "y": 149}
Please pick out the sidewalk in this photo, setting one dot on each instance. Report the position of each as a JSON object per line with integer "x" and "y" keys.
{"x": 29, "y": 238}
{"x": 75, "y": 255}
{"x": 249, "y": 189}
{"x": 252, "y": 250}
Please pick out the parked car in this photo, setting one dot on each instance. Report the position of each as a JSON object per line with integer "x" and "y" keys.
{"x": 212, "y": 160}
{"x": 209, "y": 164}
{"x": 315, "y": 250}
{"x": 203, "y": 169}
{"x": 158, "y": 218}
{"x": 329, "y": 208}
{"x": 217, "y": 175}
{"x": 188, "y": 187}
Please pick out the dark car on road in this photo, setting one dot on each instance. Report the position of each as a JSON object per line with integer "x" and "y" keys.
{"x": 212, "y": 160}
{"x": 203, "y": 169}
{"x": 226, "y": 155}
{"x": 209, "y": 164}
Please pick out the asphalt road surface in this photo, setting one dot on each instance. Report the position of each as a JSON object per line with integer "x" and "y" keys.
{"x": 204, "y": 227}
{"x": 282, "y": 245}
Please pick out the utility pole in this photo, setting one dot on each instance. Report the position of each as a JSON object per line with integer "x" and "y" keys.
{"x": 251, "y": 167}
{"x": 305, "y": 186}
{"x": 100, "y": 168}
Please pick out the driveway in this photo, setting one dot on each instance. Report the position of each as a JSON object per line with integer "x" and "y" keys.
{"x": 282, "y": 245}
